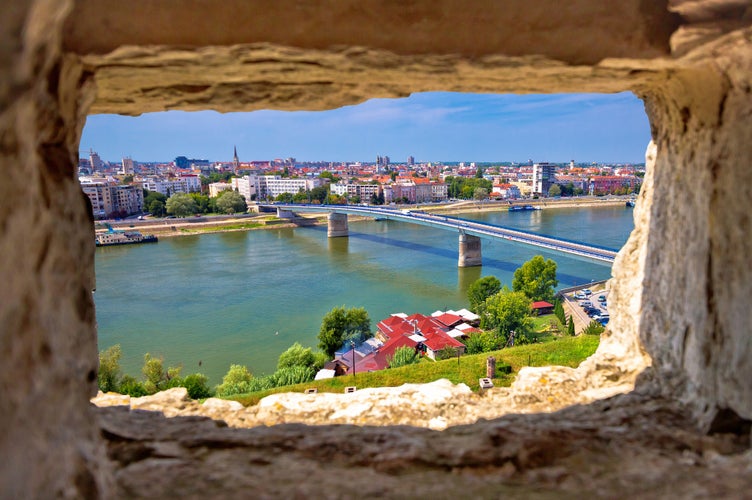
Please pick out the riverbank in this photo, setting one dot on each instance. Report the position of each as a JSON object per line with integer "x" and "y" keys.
{"x": 189, "y": 226}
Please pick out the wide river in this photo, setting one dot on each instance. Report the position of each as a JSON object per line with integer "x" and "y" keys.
{"x": 244, "y": 297}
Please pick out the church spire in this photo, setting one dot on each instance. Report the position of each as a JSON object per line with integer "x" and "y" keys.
{"x": 235, "y": 160}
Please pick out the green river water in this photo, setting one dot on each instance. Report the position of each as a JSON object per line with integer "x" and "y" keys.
{"x": 244, "y": 297}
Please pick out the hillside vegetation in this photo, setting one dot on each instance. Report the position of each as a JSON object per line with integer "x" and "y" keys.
{"x": 565, "y": 351}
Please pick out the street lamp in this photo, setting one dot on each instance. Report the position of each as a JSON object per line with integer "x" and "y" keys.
{"x": 352, "y": 344}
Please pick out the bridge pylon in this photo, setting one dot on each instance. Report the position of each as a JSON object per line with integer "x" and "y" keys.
{"x": 337, "y": 225}
{"x": 470, "y": 254}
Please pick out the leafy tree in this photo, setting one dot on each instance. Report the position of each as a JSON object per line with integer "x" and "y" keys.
{"x": 181, "y": 205}
{"x": 284, "y": 198}
{"x": 296, "y": 355}
{"x": 109, "y": 369}
{"x": 157, "y": 378}
{"x": 483, "y": 342}
{"x": 300, "y": 197}
{"x": 341, "y": 325}
{"x": 236, "y": 381}
{"x": 156, "y": 208}
{"x": 320, "y": 193}
{"x": 230, "y": 202}
{"x": 481, "y": 289}
{"x": 480, "y": 193}
{"x": 570, "y": 326}
{"x": 403, "y": 356}
{"x": 536, "y": 278}
{"x": 393, "y": 175}
{"x": 202, "y": 202}
{"x": 154, "y": 202}
{"x": 479, "y": 173}
{"x": 559, "y": 311}
{"x": 554, "y": 190}
{"x": 197, "y": 385}
{"x": 328, "y": 175}
{"x": 506, "y": 312}
{"x": 127, "y": 179}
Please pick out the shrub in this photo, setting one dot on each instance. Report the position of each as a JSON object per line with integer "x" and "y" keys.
{"x": 403, "y": 356}
{"x": 292, "y": 375}
{"x": 109, "y": 369}
{"x": 570, "y": 326}
{"x": 197, "y": 385}
{"x": 132, "y": 387}
{"x": 594, "y": 328}
{"x": 446, "y": 353}
{"x": 296, "y": 355}
{"x": 236, "y": 381}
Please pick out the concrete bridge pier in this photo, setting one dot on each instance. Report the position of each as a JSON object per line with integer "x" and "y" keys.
{"x": 337, "y": 225}
{"x": 285, "y": 214}
{"x": 470, "y": 251}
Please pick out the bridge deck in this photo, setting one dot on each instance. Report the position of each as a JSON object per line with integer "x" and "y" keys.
{"x": 474, "y": 228}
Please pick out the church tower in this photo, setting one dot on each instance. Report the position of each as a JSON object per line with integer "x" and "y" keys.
{"x": 235, "y": 160}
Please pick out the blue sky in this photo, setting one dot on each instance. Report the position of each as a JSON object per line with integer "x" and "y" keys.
{"x": 433, "y": 126}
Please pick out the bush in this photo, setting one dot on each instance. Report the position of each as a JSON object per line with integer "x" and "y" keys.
{"x": 594, "y": 328}
{"x": 109, "y": 369}
{"x": 292, "y": 375}
{"x": 236, "y": 381}
{"x": 296, "y": 355}
{"x": 132, "y": 387}
{"x": 446, "y": 353}
{"x": 403, "y": 356}
{"x": 197, "y": 385}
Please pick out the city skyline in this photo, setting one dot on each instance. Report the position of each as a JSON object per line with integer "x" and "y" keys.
{"x": 434, "y": 126}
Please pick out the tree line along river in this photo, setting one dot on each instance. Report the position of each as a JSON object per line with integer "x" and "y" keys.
{"x": 208, "y": 301}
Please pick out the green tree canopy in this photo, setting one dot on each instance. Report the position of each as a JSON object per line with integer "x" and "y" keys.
{"x": 236, "y": 381}
{"x": 319, "y": 193}
{"x": 481, "y": 289}
{"x": 536, "y": 278}
{"x": 230, "y": 202}
{"x": 296, "y": 355}
{"x": 181, "y": 204}
{"x": 554, "y": 190}
{"x": 341, "y": 325}
{"x": 202, "y": 202}
{"x": 506, "y": 312}
{"x": 480, "y": 193}
{"x": 109, "y": 369}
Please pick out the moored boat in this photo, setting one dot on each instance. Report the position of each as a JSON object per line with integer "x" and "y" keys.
{"x": 123, "y": 238}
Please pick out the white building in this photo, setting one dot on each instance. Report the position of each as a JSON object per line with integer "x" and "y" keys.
{"x": 128, "y": 166}
{"x": 246, "y": 186}
{"x": 217, "y": 187}
{"x": 271, "y": 186}
{"x": 186, "y": 183}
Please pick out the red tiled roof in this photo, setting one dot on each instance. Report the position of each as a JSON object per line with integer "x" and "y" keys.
{"x": 541, "y": 304}
{"x": 439, "y": 340}
{"x": 448, "y": 319}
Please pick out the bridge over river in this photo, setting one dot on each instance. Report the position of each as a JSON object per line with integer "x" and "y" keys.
{"x": 470, "y": 232}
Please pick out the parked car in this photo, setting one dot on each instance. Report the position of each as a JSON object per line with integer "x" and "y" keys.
{"x": 579, "y": 295}
{"x": 601, "y": 298}
{"x": 587, "y": 292}
{"x": 586, "y": 303}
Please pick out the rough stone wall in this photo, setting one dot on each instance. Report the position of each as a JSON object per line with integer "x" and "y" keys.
{"x": 696, "y": 318}
{"x": 48, "y": 344}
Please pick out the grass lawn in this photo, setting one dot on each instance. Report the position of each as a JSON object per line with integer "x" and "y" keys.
{"x": 564, "y": 351}
{"x": 547, "y": 328}
{"x": 208, "y": 229}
